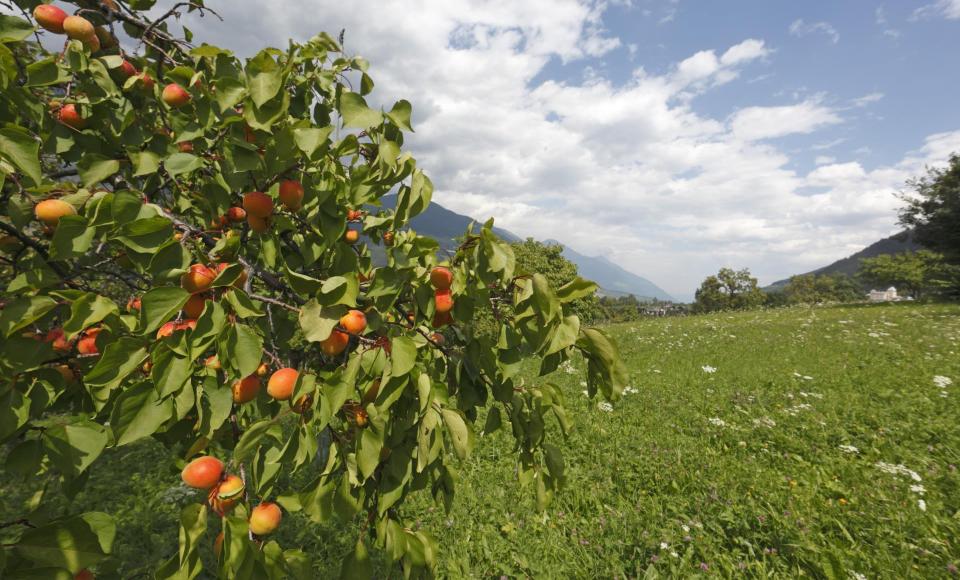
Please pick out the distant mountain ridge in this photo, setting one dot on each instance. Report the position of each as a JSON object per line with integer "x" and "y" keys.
{"x": 895, "y": 244}
{"x": 445, "y": 226}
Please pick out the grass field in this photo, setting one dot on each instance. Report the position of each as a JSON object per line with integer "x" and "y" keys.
{"x": 798, "y": 442}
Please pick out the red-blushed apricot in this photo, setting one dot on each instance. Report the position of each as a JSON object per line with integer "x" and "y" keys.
{"x": 175, "y": 96}
{"x": 246, "y": 389}
{"x": 361, "y": 418}
{"x": 236, "y": 214}
{"x": 354, "y": 215}
{"x": 281, "y": 383}
{"x": 92, "y": 43}
{"x": 437, "y": 338}
{"x": 303, "y": 404}
{"x": 388, "y": 238}
{"x": 441, "y": 319}
{"x": 147, "y": 81}
{"x": 258, "y": 204}
{"x": 291, "y": 194}
{"x": 197, "y": 279}
{"x": 194, "y": 306}
{"x": 78, "y": 28}
{"x": 133, "y": 305}
{"x": 58, "y": 340}
{"x": 258, "y": 224}
{"x": 185, "y": 146}
{"x": 50, "y": 17}
{"x": 265, "y": 518}
{"x": 203, "y": 472}
{"x": 354, "y": 322}
{"x": 212, "y": 362}
{"x": 262, "y": 370}
{"x": 441, "y": 278}
{"x": 241, "y": 280}
{"x": 88, "y": 342}
{"x": 106, "y": 39}
{"x": 225, "y": 496}
{"x": 351, "y": 236}
{"x": 127, "y": 69}
{"x": 443, "y": 301}
{"x": 189, "y": 324}
{"x": 218, "y": 545}
{"x": 147, "y": 367}
{"x": 166, "y": 330}
{"x": 49, "y": 211}
{"x": 335, "y": 343}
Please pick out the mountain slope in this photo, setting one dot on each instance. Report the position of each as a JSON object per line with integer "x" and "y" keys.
{"x": 902, "y": 242}
{"x": 445, "y": 225}
{"x": 613, "y": 279}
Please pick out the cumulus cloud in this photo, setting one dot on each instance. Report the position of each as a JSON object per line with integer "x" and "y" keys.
{"x": 630, "y": 170}
{"x": 800, "y": 29}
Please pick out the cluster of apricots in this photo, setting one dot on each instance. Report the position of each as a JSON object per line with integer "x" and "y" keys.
{"x": 442, "y": 278}
{"x": 225, "y": 491}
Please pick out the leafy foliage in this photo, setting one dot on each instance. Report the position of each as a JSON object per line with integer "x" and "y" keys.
{"x": 933, "y": 210}
{"x": 728, "y": 290}
{"x": 179, "y": 224}
{"x": 913, "y": 273}
{"x": 816, "y": 289}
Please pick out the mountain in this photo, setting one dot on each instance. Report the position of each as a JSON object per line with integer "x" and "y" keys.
{"x": 613, "y": 280}
{"x": 902, "y": 242}
{"x": 444, "y": 226}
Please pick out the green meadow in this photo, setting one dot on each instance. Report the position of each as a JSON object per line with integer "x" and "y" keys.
{"x": 819, "y": 442}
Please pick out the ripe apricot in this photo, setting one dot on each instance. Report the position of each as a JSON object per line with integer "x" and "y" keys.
{"x": 246, "y": 389}
{"x": 262, "y": 370}
{"x": 335, "y": 343}
{"x": 166, "y": 330}
{"x": 258, "y": 204}
{"x": 203, "y": 472}
{"x": 194, "y": 306}
{"x": 441, "y": 278}
{"x": 78, "y": 28}
{"x": 50, "y": 17}
{"x": 49, "y": 211}
{"x": 265, "y": 518}
{"x": 351, "y": 236}
{"x": 197, "y": 279}
{"x": 291, "y": 194}
{"x": 236, "y": 214}
{"x": 443, "y": 301}
{"x": 218, "y": 545}
{"x": 354, "y": 322}
{"x": 225, "y": 496}
{"x": 258, "y": 224}
{"x": 175, "y": 96}
{"x": 281, "y": 383}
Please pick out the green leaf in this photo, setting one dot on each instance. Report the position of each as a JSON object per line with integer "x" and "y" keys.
{"x": 250, "y": 440}
{"x": 399, "y": 115}
{"x": 118, "y": 360}
{"x": 356, "y": 113}
{"x": 403, "y": 354}
{"x": 72, "y": 447}
{"x": 180, "y": 163}
{"x": 368, "y": 452}
{"x": 138, "y": 412}
{"x": 73, "y": 543}
{"x": 241, "y": 304}
{"x": 145, "y": 163}
{"x": 17, "y": 145}
{"x": 247, "y": 348}
{"x": 23, "y": 312}
{"x": 13, "y": 29}
{"x": 357, "y": 565}
{"x": 309, "y": 139}
{"x": 460, "y": 433}
{"x": 160, "y": 305}
{"x": 86, "y": 311}
{"x": 317, "y": 322}
{"x": 94, "y": 168}
{"x": 576, "y": 288}
{"x": 264, "y": 78}
{"x": 230, "y": 91}
{"x": 605, "y": 367}
{"x": 565, "y": 334}
{"x": 46, "y": 72}
{"x": 72, "y": 238}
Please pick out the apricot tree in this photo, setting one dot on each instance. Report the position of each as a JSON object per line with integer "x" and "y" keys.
{"x": 181, "y": 227}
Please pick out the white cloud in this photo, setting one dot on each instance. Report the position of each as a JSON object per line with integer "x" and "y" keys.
{"x": 631, "y": 170}
{"x": 799, "y": 28}
{"x": 880, "y": 17}
{"x": 755, "y": 123}
{"x": 866, "y": 99}
{"x": 949, "y": 9}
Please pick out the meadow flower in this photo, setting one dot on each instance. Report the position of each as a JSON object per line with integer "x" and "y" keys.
{"x": 605, "y": 406}
{"x": 917, "y": 488}
{"x": 764, "y": 422}
{"x": 922, "y": 505}
{"x": 717, "y": 421}
{"x": 849, "y": 449}
{"x": 709, "y": 369}
{"x": 857, "y": 576}
{"x": 942, "y": 382}
{"x": 899, "y": 469}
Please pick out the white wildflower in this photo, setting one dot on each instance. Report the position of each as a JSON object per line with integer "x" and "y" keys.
{"x": 873, "y": 335}
{"x": 605, "y": 406}
{"x": 717, "y": 421}
{"x": 764, "y": 422}
{"x": 709, "y": 369}
{"x": 922, "y": 505}
{"x": 664, "y": 545}
{"x": 685, "y": 528}
{"x": 942, "y": 382}
{"x": 917, "y": 488}
{"x": 583, "y": 383}
{"x": 849, "y": 449}
{"x": 899, "y": 469}
{"x": 857, "y": 575}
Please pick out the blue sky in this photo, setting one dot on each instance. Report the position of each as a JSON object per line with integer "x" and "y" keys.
{"x": 674, "y": 137}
